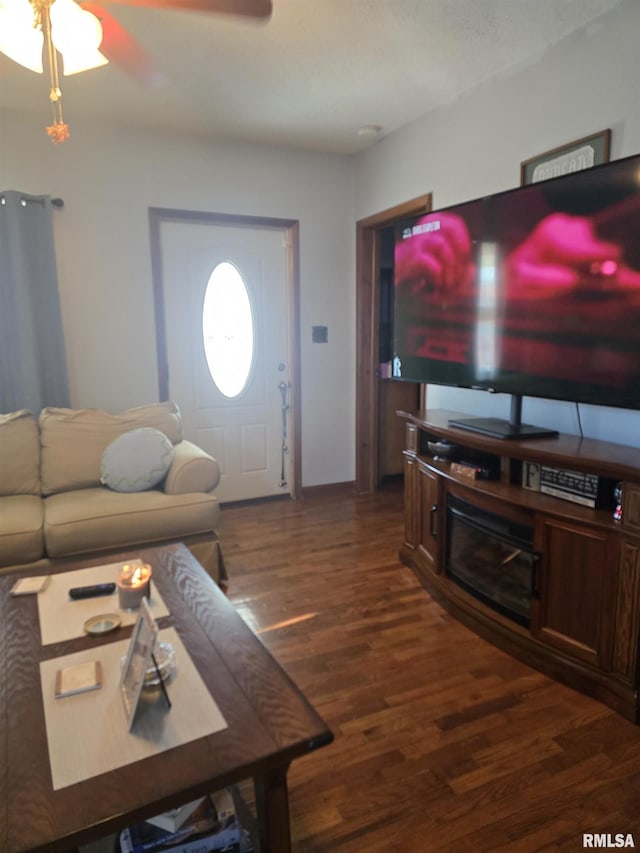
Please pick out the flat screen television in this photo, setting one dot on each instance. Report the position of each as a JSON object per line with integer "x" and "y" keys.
{"x": 530, "y": 292}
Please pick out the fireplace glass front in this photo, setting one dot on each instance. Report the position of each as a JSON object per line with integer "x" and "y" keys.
{"x": 491, "y": 557}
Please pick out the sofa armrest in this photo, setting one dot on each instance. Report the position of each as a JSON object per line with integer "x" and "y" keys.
{"x": 192, "y": 470}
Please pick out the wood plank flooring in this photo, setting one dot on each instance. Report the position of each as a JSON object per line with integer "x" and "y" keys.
{"x": 442, "y": 742}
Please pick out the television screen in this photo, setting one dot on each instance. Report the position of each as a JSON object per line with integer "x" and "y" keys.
{"x": 531, "y": 292}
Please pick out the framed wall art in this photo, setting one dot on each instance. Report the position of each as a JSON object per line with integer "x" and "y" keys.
{"x": 573, "y": 157}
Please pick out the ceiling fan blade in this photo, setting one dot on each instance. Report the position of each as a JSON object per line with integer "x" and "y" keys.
{"x": 248, "y": 8}
{"x": 122, "y": 49}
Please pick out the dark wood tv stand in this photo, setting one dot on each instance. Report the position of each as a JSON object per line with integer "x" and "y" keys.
{"x": 585, "y": 597}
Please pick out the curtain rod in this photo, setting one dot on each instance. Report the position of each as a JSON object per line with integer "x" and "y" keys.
{"x": 56, "y": 202}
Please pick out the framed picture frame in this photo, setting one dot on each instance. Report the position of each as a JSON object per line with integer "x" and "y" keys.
{"x": 573, "y": 157}
{"x": 139, "y": 657}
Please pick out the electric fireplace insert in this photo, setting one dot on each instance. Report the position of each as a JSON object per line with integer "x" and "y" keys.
{"x": 492, "y": 558}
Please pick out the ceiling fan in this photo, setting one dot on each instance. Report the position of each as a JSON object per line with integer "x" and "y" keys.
{"x": 87, "y": 36}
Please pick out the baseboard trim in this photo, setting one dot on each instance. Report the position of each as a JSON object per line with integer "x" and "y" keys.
{"x": 325, "y": 489}
{"x": 329, "y": 489}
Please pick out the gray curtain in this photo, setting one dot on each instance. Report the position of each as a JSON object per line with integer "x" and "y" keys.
{"x": 33, "y": 369}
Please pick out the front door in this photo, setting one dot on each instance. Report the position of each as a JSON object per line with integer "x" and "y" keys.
{"x": 224, "y": 295}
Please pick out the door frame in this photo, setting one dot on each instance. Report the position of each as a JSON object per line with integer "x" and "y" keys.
{"x": 367, "y": 334}
{"x": 291, "y": 235}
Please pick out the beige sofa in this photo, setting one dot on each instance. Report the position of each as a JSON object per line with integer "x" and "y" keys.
{"x": 53, "y": 505}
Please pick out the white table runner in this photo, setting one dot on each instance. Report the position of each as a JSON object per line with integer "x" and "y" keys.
{"x": 87, "y": 733}
{"x": 62, "y": 618}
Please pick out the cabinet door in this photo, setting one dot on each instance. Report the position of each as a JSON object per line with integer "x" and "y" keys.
{"x": 627, "y": 630}
{"x": 429, "y": 522}
{"x": 575, "y": 590}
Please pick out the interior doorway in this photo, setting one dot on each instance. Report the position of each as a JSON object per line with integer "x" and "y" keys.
{"x": 369, "y": 238}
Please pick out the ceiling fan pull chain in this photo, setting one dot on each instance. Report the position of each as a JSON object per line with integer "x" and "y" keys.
{"x": 58, "y": 131}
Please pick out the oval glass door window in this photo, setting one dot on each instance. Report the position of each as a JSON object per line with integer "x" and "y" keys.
{"x": 228, "y": 330}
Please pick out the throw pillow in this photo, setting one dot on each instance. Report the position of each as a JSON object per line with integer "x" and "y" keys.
{"x": 137, "y": 460}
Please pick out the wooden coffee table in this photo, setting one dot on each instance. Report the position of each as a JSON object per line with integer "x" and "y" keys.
{"x": 270, "y": 722}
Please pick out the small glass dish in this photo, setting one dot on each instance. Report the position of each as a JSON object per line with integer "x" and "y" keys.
{"x": 166, "y": 659}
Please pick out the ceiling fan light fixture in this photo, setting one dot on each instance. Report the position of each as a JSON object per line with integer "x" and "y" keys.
{"x": 76, "y": 61}
{"x": 19, "y": 39}
{"x": 77, "y": 35}
{"x": 26, "y": 26}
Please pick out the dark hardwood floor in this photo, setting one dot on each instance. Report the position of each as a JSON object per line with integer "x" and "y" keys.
{"x": 442, "y": 742}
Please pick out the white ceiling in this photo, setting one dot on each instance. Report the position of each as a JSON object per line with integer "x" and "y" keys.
{"x": 314, "y": 73}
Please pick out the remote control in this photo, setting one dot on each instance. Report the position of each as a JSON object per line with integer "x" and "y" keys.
{"x": 91, "y": 591}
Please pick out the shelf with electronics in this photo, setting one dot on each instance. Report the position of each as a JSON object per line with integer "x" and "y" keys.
{"x": 575, "y": 565}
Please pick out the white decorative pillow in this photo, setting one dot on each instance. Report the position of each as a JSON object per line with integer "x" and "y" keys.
{"x": 137, "y": 460}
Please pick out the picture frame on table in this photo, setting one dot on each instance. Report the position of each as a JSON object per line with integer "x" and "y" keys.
{"x": 573, "y": 157}
{"x": 138, "y": 659}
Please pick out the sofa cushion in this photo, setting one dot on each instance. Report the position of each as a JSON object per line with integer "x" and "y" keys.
{"x": 19, "y": 454}
{"x": 21, "y": 529}
{"x": 87, "y": 520}
{"x": 73, "y": 440}
{"x": 137, "y": 460}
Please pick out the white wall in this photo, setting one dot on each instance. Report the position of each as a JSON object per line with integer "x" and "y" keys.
{"x": 109, "y": 177}
{"x": 474, "y": 146}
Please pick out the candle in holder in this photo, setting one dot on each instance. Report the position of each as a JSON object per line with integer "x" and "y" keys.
{"x": 134, "y": 584}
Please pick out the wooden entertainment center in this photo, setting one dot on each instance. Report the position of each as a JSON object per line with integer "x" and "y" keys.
{"x": 582, "y": 621}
